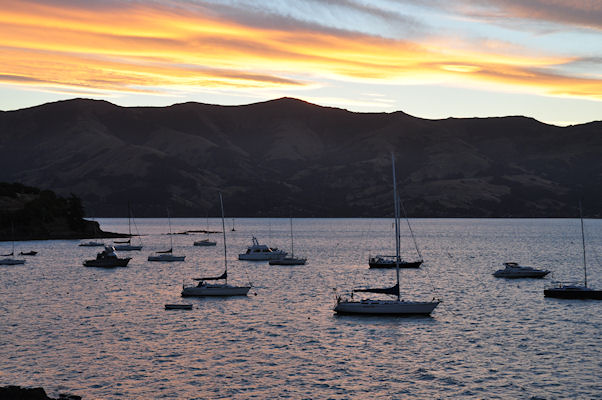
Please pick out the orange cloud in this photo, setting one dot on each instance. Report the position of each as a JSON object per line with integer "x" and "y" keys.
{"x": 143, "y": 49}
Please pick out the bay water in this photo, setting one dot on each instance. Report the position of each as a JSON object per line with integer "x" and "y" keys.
{"x": 104, "y": 334}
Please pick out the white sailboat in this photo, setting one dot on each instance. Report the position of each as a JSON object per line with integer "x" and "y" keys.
{"x": 381, "y": 261}
{"x": 564, "y": 290}
{"x": 8, "y": 258}
{"x": 386, "y": 307}
{"x": 204, "y": 242}
{"x": 292, "y": 260}
{"x": 92, "y": 243}
{"x": 166, "y": 255}
{"x": 205, "y": 288}
{"x": 126, "y": 245}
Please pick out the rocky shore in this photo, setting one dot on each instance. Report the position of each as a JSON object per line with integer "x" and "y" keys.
{"x": 21, "y": 393}
{"x": 28, "y": 213}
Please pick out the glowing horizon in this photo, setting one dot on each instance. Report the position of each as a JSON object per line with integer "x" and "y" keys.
{"x": 166, "y": 52}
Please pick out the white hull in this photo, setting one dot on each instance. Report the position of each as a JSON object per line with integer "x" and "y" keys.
{"x": 262, "y": 257}
{"x": 11, "y": 261}
{"x": 127, "y": 247}
{"x": 215, "y": 290}
{"x": 92, "y": 244}
{"x": 166, "y": 258}
{"x": 386, "y": 307}
{"x": 288, "y": 261}
{"x": 514, "y": 271}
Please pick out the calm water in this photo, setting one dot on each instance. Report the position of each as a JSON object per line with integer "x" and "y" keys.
{"x": 104, "y": 334}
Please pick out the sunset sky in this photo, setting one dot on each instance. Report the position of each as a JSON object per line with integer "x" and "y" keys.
{"x": 428, "y": 58}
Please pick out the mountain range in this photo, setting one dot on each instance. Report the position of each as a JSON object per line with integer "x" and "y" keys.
{"x": 289, "y": 157}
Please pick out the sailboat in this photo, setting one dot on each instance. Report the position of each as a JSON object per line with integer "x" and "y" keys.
{"x": 292, "y": 260}
{"x": 126, "y": 245}
{"x": 205, "y": 288}
{"x": 92, "y": 243}
{"x": 380, "y": 261}
{"x": 574, "y": 290}
{"x": 205, "y": 242}
{"x": 386, "y": 307}
{"x": 9, "y": 260}
{"x": 166, "y": 255}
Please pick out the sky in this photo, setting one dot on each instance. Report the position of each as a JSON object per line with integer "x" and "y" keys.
{"x": 429, "y": 58}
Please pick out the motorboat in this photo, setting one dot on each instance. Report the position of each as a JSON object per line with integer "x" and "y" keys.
{"x": 91, "y": 243}
{"x": 261, "y": 252}
{"x": 380, "y": 261}
{"x": 512, "y": 270}
{"x": 28, "y": 253}
{"x": 563, "y": 290}
{"x": 107, "y": 259}
{"x": 205, "y": 287}
{"x": 398, "y": 306}
{"x": 204, "y": 242}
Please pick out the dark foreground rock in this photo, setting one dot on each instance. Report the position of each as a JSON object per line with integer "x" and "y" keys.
{"x": 20, "y": 393}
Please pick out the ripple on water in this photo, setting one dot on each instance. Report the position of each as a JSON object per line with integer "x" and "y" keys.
{"x": 104, "y": 334}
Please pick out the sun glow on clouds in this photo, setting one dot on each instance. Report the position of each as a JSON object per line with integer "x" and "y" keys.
{"x": 161, "y": 49}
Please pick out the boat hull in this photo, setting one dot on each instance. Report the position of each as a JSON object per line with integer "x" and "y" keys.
{"x": 384, "y": 307}
{"x": 215, "y": 290}
{"x": 11, "y": 261}
{"x": 402, "y": 264}
{"x": 260, "y": 257}
{"x": 202, "y": 243}
{"x": 178, "y": 306}
{"x": 572, "y": 293}
{"x": 511, "y": 275}
{"x": 288, "y": 261}
{"x": 120, "y": 262}
{"x": 166, "y": 259}
{"x": 127, "y": 247}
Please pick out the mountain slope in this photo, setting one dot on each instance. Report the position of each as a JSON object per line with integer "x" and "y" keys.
{"x": 287, "y": 156}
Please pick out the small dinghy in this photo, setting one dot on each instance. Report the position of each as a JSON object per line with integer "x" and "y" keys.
{"x": 178, "y": 306}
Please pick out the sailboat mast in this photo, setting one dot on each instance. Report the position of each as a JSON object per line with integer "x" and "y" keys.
{"x": 12, "y": 233}
{"x": 129, "y": 221}
{"x": 292, "y": 248}
{"x": 221, "y": 202}
{"x": 170, "y": 234}
{"x": 396, "y": 202}
{"x": 583, "y": 244}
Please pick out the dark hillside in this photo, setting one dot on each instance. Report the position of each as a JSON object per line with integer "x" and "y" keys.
{"x": 288, "y": 156}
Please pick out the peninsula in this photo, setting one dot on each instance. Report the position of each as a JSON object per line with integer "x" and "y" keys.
{"x": 28, "y": 213}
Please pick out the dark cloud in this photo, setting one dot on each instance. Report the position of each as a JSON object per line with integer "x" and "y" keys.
{"x": 311, "y": 15}
{"x": 19, "y": 79}
{"x": 582, "y": 13}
